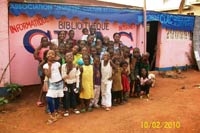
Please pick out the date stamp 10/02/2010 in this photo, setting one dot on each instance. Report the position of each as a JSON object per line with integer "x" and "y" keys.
{"x": 159, "y": 124}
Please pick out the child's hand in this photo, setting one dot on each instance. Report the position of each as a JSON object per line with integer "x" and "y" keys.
{"x": 76, "y": 90}
{"x": 49, "y": 63}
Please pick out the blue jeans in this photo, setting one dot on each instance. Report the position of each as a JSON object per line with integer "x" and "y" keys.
{"x": 53, "y": 104}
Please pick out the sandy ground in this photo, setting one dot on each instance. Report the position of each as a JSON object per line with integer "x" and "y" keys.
{"x": 174, "y": 107}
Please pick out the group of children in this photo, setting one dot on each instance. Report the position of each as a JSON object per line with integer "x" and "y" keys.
{"x": 86, "y": 74}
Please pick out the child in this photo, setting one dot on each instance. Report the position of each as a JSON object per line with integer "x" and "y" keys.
{"x": 61, "y": 53}
{"x": 76, "y": 54}
{"x": 106, "y": 81}
{"x": 70, "y": 75}
{"x": 125, "y": 80}
{"x": 55, "y": 90}
{"x": 71, "y": 34}
{"x": 135, "y": 72}
{"x": 145, "y": 61}
{"x": 85, "y": 33}
{"x": 61, "y": 38}
{"x": 97, "y": 82}
{"x": 145, "y": 83}
{"x": 117, "y": 84}
{"x": 44, "y": 88}
{"x": 87, "y": 86}
{"x": 105, "y": 43}
{"x": 39, "y": 54}
{"x": 117, "y": 43}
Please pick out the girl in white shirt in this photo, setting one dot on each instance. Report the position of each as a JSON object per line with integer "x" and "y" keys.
{"x": 55, "y": 90}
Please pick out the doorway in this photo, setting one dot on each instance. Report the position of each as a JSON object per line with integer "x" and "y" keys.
{"x": 152, "y": 32}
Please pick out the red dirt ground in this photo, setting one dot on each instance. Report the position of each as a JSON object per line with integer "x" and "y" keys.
{"x": 174, "y": 107}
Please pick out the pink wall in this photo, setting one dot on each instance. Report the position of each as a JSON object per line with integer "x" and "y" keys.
{"x": 24, "y": 67}
{"x": 174, "y": 48}
{"x": 4, "y": 47}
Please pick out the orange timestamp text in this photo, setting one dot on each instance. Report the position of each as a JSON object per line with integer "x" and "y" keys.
{"x": 159, "y": 124}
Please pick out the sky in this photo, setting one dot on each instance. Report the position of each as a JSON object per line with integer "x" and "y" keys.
{"x": 150, "y": 4}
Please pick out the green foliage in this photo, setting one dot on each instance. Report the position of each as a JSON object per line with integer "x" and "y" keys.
{"x": 3, "y": 101}
{"x": 14, "y": 90}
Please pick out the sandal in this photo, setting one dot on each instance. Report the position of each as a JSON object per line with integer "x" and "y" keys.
{"x": 58, "y": 116}
{"x": 40, "y": 104}
{"x": 51, "y": 120}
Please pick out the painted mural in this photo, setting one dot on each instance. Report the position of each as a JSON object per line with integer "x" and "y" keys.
{"x": 28, "y": 22}
{"x": 25, "y": 34}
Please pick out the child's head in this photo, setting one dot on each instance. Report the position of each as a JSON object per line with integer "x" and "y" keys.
{"x": 54, "y": 47}
{"x": 75, "y": 49}
{"x": 85, "y": 31}
{"x": 62, "y": 49}
{"x": 116, "y": 62}
{"x": 106, "y": 56}
{"x": 144, "y": 72}
{"x": 68, "y": 47}
{"x": 62, "y": 35}
{"x": 86, "y": 59}
{"x": 111, "y": 51}
{"x": 93, "y": 50}
{"x": 51, "y": 54}
{"x": 44, "y": 41}
{"x": 69, "y": 57}
{"x": 116, "y": 37}
{"x": 110, "y": 44}
{"x": 126, "y": 52}
{"x": 99, "y": 49}
{"x": 106, "y": 40}
{"x": 145, "y": 57}
{"x": 84, "y": 50}
{"x": 99, "y": 42}
{"x": 81, "y": 43}
{"x": 71, "y": 34}
{"x": 90, "y": 39}
{"x": 117, "y": 55}
{"x": 124, "y": 64}
{"x": 92, "y": 29}
{"x": 136, "y": 52}
{"x": 96, "y": 60}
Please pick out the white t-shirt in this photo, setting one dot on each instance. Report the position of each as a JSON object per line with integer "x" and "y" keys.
{"x": 72, "y": 77}
{"x": 106, "y": 71}
{"x": 54, "y": 41}
{"x": 84, "y": 37}
{"x": 55, "y": 72}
